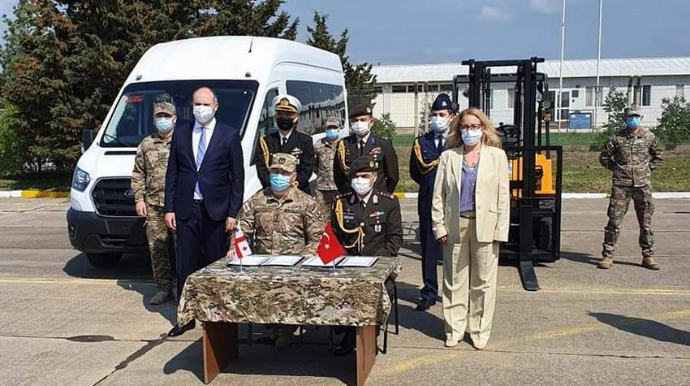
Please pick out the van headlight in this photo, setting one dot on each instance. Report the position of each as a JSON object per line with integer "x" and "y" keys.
{"x": 80, "y": 180}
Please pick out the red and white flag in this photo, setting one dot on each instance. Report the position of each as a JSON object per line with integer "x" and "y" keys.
{"x": 329, "y": 248}
{"x": 241, "y": 245}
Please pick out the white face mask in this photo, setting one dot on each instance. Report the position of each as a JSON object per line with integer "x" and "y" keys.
{"x": 439, "y": 124}
{"x": 361, "y": 185}
{"x": 360, "y": 128}
{"x": 203, "y": 114}
{"x": 471, "y": 137}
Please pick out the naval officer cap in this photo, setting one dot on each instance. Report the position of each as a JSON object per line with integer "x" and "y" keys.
{"x": 363, "y": 164}
{"x": 286, "y": 102}
{"x": 442, "y": 102}
{"x": 360, "y": 109}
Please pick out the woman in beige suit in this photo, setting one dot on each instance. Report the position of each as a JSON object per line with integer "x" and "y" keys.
{"x": 470, "y": 218}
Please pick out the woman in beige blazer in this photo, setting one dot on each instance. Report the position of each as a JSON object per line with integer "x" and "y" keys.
{"x": 470, "y": 218}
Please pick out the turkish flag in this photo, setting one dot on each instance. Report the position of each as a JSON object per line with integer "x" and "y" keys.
{"x": 329, "y": 248}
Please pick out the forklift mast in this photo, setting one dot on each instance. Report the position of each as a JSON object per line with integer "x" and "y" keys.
{"x": 536, "y": 208}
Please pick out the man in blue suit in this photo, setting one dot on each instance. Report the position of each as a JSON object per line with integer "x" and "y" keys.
{"x": 204, "y": 189}
{"x": 423, "y": 163}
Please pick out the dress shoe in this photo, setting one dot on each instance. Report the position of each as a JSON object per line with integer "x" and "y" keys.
{"x": 347, "y": 345}
{"x": 179, "y": 330}
{"x": 479, "y": 345}
{"x": 424, "y": 305}
{"x": 451, "y": 342}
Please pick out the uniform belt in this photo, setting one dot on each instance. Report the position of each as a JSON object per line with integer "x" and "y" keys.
{"x": 197, "y": 201}
{"x": 468, "y": 214}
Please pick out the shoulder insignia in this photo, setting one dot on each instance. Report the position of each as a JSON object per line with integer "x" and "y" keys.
{"x": 247, "y": 206}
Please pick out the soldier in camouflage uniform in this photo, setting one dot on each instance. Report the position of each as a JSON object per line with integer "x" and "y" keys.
{"x": 148, "y": 184}
{"x": 632, "y": 154}
{"x": 367, "y": 222}
{"x": 326, "y": 190}
{"x": 282, "y": 220}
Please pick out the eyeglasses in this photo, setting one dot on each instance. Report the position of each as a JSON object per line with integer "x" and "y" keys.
{"x": 470, "y": 127}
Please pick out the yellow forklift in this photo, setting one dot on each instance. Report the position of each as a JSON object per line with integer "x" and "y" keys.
{"x": 536, "y": 166}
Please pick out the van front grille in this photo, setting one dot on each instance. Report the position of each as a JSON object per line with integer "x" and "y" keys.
{"x": 114, "y": 197}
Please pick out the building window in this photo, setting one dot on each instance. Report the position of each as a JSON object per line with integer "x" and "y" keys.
{"x": 398, "y": 88}
{"x": 378, "y": 89}
{"x": 646, "y": 95}
{"x": 432, "y": 87}
{"x": 446, "y": 88}
{"x": 680, "y": 90}
{"x": 589, "y": 96}
{"x": 511, "y": 98}
{"x": 420, "y": 88}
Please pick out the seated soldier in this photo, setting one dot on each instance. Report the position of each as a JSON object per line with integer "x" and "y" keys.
{"x": 367, "y": 222}
{"x": 282, "y": 220}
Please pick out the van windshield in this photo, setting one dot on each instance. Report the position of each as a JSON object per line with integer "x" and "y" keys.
{"x": 132, "y": 119}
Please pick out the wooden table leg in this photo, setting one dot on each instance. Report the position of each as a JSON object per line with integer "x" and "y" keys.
{"x": 366, "y": 352}
{"x": 221, "y": 346}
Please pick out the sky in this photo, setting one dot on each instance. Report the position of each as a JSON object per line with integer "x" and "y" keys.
{"x": 445, "y": 31}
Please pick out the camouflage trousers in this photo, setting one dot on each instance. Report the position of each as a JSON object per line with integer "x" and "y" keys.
{"x": 161, "y": 247}
{"x": 618, "y": 207}
{"x": 325, "y": 199}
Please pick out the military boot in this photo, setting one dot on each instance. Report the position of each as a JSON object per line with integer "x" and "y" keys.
{"x": 649, "y": 263}
{"x": 160, "y": 297}
{"x": 605, "y": 262}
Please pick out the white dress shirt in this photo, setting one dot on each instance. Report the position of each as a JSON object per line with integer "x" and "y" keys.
{"x": 196, "y": 137}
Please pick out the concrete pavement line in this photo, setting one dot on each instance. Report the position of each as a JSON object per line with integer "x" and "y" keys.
{"x": 604, "y": 291}
{"x": 29, "y": 280}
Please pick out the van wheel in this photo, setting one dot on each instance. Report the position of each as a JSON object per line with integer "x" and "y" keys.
{"x": 104, "y": 260}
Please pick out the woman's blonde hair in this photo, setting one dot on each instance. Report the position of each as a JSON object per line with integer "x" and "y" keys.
{"x": 489, "y": 137}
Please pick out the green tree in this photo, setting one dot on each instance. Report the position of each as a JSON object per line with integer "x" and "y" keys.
{"x": 384, "y": 127}
{"x": 613, "y": 105}
{"x": 359, "y": 80}
{"x": 65, "y": 60}
{"x": 674, "y": 123}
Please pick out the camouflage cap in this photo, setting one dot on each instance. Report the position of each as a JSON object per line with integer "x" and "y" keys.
{"x": 631, "y": 111}
{"x": 163, "y": 107}
{"x": 333, "y": 122}
{"x": 364, "y": 163}
{"x": 284, "y": 162}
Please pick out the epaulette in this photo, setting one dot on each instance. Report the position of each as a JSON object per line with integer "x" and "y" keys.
{"x": 339, "y": 196}
{"x": 387, "y": 195}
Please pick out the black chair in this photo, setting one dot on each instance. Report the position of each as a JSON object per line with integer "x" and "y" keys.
{"x": 384, "y": 350}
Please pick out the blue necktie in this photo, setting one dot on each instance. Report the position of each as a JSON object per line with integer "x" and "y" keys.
{"x": 200, "y": 153}
{"x": 439, "y": 146}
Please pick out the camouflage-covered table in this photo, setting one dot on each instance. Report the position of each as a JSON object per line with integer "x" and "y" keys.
{"x": 220, "y": 298}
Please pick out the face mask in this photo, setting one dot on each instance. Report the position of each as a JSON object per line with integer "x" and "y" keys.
{"x": 279, "y": 182}
{"x": 361, "y": 185}
{"x": 471, "y": 137}
{"x": 203, "y": 114}
{"x": 439, "y": 124}
{"x": 633, "y": 122}
{"x": 164, "y": 125}
{"x": 285, "y": 123}
{"x": 360, "y": 128}
{"x": 331, "y": 134}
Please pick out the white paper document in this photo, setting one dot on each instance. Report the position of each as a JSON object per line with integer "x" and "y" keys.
{"x": 315, "y": 261}
{"x": 286, "y": 261}
{"x": 358, "y": 261}
{"x": 251, "y": 260}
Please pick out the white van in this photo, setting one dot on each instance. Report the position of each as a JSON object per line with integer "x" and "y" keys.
{"x": 245, "y": 72}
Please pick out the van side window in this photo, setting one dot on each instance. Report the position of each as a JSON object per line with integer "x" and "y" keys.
{"x": 265, "y": 120}
{"x": 319, "y": 102}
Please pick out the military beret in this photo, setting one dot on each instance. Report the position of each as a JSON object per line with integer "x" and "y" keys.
{"x": 364, "y": 163}
{"x": 362, "y": 108}
{"x": 333, "y": 122}
{"x": 629, "y": 112}
{"x": 442, "y": 102}
{"x": 284, "y": 162}
{"x": 286, "y": 102}
{"x": 163, "y": 107}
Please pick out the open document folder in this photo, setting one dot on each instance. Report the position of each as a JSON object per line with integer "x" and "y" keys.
{"x": 358, "y": 261}
{"x": 315, "y": 261}
{"x": 250, "y": 261}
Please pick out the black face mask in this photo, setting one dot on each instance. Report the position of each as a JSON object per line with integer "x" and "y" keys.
{"x": 285, "y": 124}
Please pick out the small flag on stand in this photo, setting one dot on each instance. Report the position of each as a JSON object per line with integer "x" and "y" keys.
{"x": 241, "y": 245}
{"x": 329, "y": 248}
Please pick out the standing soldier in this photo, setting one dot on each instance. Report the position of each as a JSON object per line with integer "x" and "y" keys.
{"x": 326, "y": 190}
{"x": 423, "y": 163}
{"x": 148, "y": 184}
{"x": 367, "y": 222}
{"x": 286, "y": 140}
{"x": 362, "y": 142}
{"x": 632, "y": 154}
{"x": 282, "y": 220}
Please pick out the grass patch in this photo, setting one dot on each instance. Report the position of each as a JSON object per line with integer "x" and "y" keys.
{"x": 54, "y": 181}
